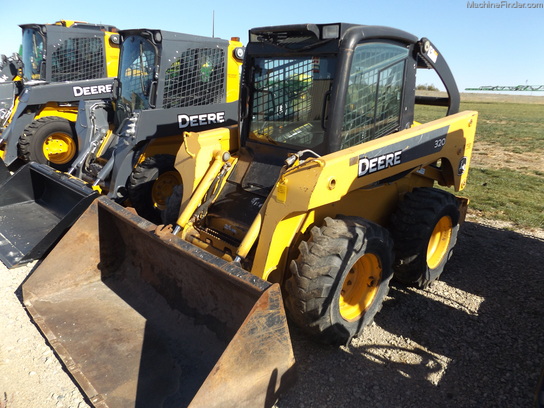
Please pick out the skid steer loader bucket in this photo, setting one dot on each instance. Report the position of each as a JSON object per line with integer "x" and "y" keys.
{"x": 37, "y": 205}
{"x": 147, "y": 320}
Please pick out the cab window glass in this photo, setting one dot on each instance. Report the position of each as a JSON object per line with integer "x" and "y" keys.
{"x": 374, "y": 96}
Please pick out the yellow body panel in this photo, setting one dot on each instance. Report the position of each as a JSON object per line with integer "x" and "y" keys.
{"x": 53, "y": 109}
{"x": 13, "y": 110}
{"x": 112, "y": 55}
{"x": 330, "y": 185}
{"x": 162, "y": 145}
{"x": 67, "y": 23}
{"x": 197, "y": 153}
{"x": 331, "y": 177}
{"x": 233, "y": 73}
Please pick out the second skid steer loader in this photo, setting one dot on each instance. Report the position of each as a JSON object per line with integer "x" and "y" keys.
{"x": 168, "y": 83}
{"x": 329, "y": 193}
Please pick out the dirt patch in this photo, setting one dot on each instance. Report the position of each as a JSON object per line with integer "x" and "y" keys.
{"x": 487, "y": 155}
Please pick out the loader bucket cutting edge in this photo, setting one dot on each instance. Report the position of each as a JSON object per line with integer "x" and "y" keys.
{"x": 37, "y": 205}
{"x": 147, "y": 320}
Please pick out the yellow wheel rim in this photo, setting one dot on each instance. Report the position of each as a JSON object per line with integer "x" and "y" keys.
{"x": 59, "y": 148}
{"x": 163, "y": 187}
{"x": 360, "y": 287}
{"x": 439, "y": 242}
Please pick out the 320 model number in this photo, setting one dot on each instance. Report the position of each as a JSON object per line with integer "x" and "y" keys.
{"x": 439, "y": 143}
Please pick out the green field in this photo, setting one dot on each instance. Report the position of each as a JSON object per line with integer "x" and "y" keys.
{"x": 516, "y": 127}
{"x": 506, "y": 179}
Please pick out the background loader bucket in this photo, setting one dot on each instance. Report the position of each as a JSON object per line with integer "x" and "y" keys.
{"x": 37, "y": 205}
{"x": 148, "y": 320}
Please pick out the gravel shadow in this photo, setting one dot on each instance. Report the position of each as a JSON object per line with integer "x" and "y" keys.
{"x": 474, "y": 339}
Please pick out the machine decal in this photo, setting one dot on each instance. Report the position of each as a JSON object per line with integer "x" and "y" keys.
{"x": 200, "y": 120}
{"x": 432, "y": 54}
{"x": 462, "y": 166}
{"x": 410, "y": 149}
{"x": 92, "y": 90}
{"x": 367, "y": 166}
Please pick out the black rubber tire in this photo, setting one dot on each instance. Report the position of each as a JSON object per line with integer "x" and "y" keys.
{"x": 140, "y": 185}
{"x": 319, "y": 274}
{"x": 31, "y": 142}
{"x": 170, "y": 214}
{"x": 411, "y": 227}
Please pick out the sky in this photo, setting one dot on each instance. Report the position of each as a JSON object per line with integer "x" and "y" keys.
{"x": 493, "y": 42}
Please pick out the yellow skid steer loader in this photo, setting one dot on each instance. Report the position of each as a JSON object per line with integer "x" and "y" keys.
{"x": 325, "y": 189}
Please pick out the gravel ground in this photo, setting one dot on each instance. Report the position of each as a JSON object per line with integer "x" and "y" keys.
{"x": 30, "y": 374}
{"x": 474, "y": 339}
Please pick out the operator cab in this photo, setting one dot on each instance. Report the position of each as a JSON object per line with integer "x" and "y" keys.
{"x": 312, "y": 90}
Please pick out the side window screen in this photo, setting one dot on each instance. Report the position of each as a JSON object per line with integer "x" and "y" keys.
{"x": 374, "y": 96}
{"x": 196, "y": 78}
{"x": 77, "y": 59}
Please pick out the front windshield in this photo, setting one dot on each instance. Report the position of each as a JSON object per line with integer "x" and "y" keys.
{"x": 136, "y": 74}
{"x": 33, "y": 53}
{"x": 288, "y": 100}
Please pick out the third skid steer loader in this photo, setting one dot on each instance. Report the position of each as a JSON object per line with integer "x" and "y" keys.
{"x": 10, "y": 77}
{"x": 168, "y": 83}
{"x": 10, "y": 67}
{"x": 326, "y": 188}
{"x": 63, "y": 63}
